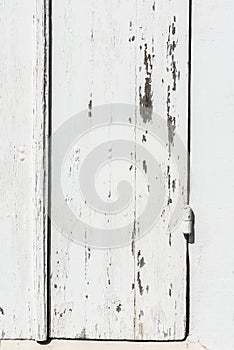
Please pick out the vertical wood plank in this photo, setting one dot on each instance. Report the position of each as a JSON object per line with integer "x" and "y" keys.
{"x": 16, "y": 170}
{"x": 23, "y": 183}
{"x": 41, "y": 163}
{"x": 110, "y": 52}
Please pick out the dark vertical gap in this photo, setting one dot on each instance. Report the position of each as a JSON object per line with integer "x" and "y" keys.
{"x": 49, "y": 168}
{"x": 189, "y": 97}
{"x": 187, "y": 329}
{"x": 47, "y": 96}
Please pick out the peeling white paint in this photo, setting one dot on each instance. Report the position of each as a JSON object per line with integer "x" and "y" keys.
{"x": 134, "y": 52}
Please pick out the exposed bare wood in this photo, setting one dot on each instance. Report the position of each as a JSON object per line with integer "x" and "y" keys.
{"x": 135, "y": 53}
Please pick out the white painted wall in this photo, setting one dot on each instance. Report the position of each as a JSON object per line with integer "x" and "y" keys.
{"x": 212, "y": 258}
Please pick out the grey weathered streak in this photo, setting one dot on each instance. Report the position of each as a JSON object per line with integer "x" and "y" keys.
{"x": 127, "y": 52}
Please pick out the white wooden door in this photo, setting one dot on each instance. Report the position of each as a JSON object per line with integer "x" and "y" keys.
{"x": 119, "y": 125}
{"x": 119, "y": 121}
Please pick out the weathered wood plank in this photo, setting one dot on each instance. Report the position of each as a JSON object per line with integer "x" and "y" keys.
{"x": 135, "y": 53}
{"x": 16, "y": 172}
{"x": 41, "y": 79}
{"x": 24, "y": 106}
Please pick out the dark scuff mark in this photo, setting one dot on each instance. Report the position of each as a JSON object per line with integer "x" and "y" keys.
{"x": 168, "y": 177}
{"x": 147, "y": 62}
{"x": 171, "y": 124}
{"x": 173, "y": 185}
{"x": 140, "y": 260}
{"x": 141, "y": 289}
{"x": 141, "y": 314}
{"x": 171, "y": 121}
{"x": 146, "y": 97}
{"x": 90, "y": 107}
{"x": 169, "y": 201}
{"x": 171, "y": 46}
{"x": 153, "y": 7}
{"x": 147, "y": 288}
{"x": 119, "y": 308}
{"x": 61, "y": 314}
{"x": 145, "y": 166}
{"x": 170, "y": 290}
{"x": 89, "y": 253}
{"x": 173, "y": 29}
{"x": 83, "y": 334}
{"x": 1, "y": 311}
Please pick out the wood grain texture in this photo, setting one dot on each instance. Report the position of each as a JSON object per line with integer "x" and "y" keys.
{"x": 24, "y": 134}
{"x": 16, "y": 170}
{"x": 118, "y": 52}
{"x": 40, "y": 161}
